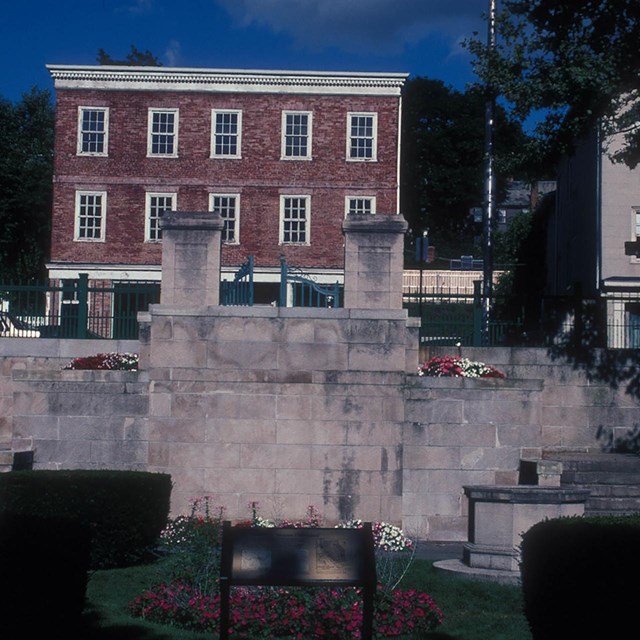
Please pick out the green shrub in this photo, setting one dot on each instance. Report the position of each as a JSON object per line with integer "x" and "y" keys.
{"x": 43, "y": 572}
{"x": 125, "y": 510}
{"x": 578, "y": 576}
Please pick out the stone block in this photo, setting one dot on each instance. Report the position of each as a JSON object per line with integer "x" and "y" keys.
{"x": 274, "y": 456}
{"x": 311, "y": 356}
{"x": 168, "y": 429}
{"x": 119, "y": 454}
{"x": 384, "y": 434}
{"x": 360, "y": 457}
{"x": 305, "y": 481}
{"x": 312, "y": 432}
{"x": 242, "y": 431}
{"x": 293, "y": 407}
{"x": 259, "y": 481}
{"x": 425, "y": 457}
{"x": 453, "y": 434}
{"x": 209, "y": 456}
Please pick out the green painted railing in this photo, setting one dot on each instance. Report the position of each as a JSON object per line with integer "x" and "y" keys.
{"x": 74, "y": 308}
{"x": 298, "y": 290}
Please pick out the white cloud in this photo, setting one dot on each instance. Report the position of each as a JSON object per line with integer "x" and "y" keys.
{"x": 173, "y": 54}
{"x": 139, "y": 6}
{"x": 354, "y": 25}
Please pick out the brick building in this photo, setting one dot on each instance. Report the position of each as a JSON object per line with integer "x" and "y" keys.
{"x": 281, "y": 155}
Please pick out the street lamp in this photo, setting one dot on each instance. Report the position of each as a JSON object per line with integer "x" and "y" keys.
{"x": 489, "y": 204}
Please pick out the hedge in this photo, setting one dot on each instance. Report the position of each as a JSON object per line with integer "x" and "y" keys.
{"x": 579, "y": 576}
{"x": 44, "y": 562}
{"x": 125, "y": 510}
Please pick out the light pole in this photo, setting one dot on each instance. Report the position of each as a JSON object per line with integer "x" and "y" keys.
{"x": 489, "y": 204}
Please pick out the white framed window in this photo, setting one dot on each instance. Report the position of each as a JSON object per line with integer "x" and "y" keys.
{"x": 228, "y": 206}
{"x": 91, "y": 212}
{"x": 163, "y": 133}
{"x": 226, "y": 133}
{"x": 295, "y": 218}
{"x": 636, "y": 223}
{"x": 296, "y": 135}
{"x": 93, "y": 131}
{"x": 362, "y": 137}
{"x": 156, "y": 205}
{"x": 360, "y": 204}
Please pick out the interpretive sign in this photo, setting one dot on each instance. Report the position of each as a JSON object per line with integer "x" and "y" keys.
{"x": 305, "y": 557}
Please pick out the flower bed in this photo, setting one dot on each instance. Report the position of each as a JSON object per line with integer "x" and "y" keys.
{"x": 190, "y": 597}
{"x": 106, "y": 361}
{"x": 458, "y": 367}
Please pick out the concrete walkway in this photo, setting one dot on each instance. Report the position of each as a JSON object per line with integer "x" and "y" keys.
{"x": 447, "y": 557}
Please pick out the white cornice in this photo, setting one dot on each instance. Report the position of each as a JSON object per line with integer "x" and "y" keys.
{"x": 225, "y": 80}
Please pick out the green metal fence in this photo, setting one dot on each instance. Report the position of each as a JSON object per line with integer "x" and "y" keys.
{"x": 611, "y": 321}
{"x": 75, "y": 309}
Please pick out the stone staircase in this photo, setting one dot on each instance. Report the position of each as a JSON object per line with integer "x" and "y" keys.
{"x": 6, "y": 453}
{"x": 612, "y": 478}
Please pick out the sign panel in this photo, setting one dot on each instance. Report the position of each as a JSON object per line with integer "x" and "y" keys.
{"x": 297, "y": 557}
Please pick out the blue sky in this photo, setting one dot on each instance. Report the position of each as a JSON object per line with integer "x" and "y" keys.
{"x": 420, "y": 37}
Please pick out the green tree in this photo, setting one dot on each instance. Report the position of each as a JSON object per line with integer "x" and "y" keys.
{"x": 135, "y": 58}
{"x": 26, "y": 172}
{"x": 442, "y": 160}
{"x": 576, "y": 63}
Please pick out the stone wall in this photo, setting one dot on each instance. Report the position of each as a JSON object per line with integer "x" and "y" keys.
{"x": 299, "y": 407}
{"x": 257, "y": 409}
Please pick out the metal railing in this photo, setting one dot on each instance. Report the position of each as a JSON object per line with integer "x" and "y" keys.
{"x": 75, "y": 309}
{"x": 298, "y": 289}
{"x": 239, "y": 291}
{"x": 574, "y": 322}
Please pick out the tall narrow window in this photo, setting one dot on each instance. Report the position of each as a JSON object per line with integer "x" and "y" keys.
{"x": 294, "y": 219}
{"x": 296, "y": 135}
{"x": 157, "y": 204}
{"x": 93, "y": 126}
{"x": 90, "y": 215}
{"x": 362, "y": 132}
{"x": 226, "y": 134}
{"x": 636, "y": 221}
{"x": 357, "y": 204}
{"x": 163, "y": 132}
{"x": 228, "y": 206}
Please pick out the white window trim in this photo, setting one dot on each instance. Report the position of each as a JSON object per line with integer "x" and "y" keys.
{"x": 635, "y": 213}
{"x": 176, "y": 122}
{"x": 79, "y": 151}
{"x": 283, "y": 135}
{"x": 237, "y": 212}
{"x": 307, "y": 240}
{"x": 103, "y": 217}
{"x": 213, "y": 154}
{"x": 147, "y": 211}
{"x": 347, "y": 202}
{"x": 374, "y": 150}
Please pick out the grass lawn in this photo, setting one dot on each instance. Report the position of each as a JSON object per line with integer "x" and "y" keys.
{"x": 473, "y": 610}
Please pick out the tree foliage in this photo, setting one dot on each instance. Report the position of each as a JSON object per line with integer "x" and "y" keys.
{"x": 135, "y": 58}
{"x": 443, "y": 160}
{"x": 574, "y": 61}
{"x": 26, "y": 172}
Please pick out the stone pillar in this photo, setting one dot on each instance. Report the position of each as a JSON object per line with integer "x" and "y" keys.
{"x": 191, "y": 245}
{"x": 373, "y": 261}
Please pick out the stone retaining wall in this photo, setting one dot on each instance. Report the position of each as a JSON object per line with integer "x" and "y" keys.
{"x": 242, "y": 421}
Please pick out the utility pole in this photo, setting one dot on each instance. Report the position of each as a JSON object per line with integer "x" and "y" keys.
{"x": 489, "y": 196}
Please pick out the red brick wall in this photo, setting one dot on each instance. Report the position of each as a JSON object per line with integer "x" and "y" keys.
{"x": 259, "y": 177}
